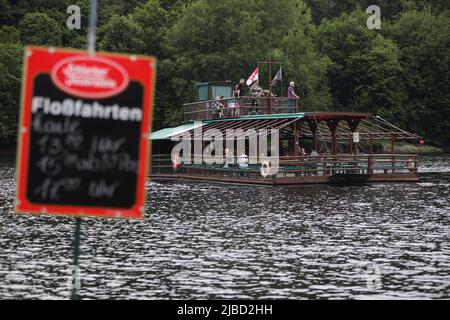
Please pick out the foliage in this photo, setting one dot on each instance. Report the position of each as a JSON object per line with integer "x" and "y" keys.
{"x": 365, "y": 74}
{"x": 424, "y": 41}
{"x": 10, "y": 71}
{"x": 400, "y": 72}
{"x": 39, "y": 29}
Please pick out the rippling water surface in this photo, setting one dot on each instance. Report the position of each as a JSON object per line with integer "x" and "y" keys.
{"x": 215, "y": 241}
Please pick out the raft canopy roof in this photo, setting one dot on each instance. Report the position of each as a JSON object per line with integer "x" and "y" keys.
{"x": 271, "y": 121}
{"x": 368, "y": 127}
{"x": 167, "y": 133}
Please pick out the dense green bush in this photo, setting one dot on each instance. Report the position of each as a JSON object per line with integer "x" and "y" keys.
{"x": 400, "y": 72}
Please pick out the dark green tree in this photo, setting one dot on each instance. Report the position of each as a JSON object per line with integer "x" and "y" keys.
{"x": 303, "y": 63}
{"x": 400, "y": 72}
{"x": 365, "y": 74}
{"x": 424, "y": 41}
{"x": 40, "y": 29}
{"x": 152, "y": 20}
{"x": 10, "y": 77}
{"x": 390, "y": 9}
{"x": 121, "y": 34}
{"x": 330, "y": 8}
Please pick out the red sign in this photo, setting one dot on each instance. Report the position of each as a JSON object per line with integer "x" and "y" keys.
{"x": 83, "y": 136}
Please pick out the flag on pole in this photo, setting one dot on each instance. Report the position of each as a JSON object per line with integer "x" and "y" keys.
{"x": 278, "y": 77}
{"x": 253, "y": 77}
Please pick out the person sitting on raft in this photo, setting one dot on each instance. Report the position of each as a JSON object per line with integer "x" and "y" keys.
{"x": 243, "y": 161}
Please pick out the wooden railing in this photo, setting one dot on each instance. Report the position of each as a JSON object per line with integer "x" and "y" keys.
{"x": 323, "y": 165}
{"x": 236, "y": 107}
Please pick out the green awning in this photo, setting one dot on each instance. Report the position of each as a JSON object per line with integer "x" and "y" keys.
{"x": 167, "y": 133}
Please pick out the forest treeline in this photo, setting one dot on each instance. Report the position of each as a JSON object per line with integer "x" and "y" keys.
{"x": 400, "y": 71}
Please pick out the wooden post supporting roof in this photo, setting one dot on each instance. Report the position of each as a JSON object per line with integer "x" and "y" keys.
{"x": 393, "y": 151}
{"x": 332, "y": 125}
{"x": 392, "y": 144}
{"x": 350, "y": 143}
{"x": 313, "y": 127}
{"x": 353, "y": 124}
{"x": 370, "y": 144}
{"x": 369, "y": 165}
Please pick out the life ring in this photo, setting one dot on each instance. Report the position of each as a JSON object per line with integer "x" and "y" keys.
{"x": 265, "y": 168}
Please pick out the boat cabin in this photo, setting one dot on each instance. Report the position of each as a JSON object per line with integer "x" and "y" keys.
{"x": 211, "y": 90}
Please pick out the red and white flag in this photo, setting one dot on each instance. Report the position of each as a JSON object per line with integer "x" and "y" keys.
{"x": 253, "y": 77}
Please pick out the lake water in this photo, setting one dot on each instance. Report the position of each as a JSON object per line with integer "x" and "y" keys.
{"x": 215, "y": 241}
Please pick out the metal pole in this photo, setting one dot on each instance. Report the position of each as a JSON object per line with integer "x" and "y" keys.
{"x": 76, "y": 251}
{"x": 92, "y": 26}
{"x": 281, "y": 82}
{"x": 270, "y": 84}
{"x": 76, "y": 238}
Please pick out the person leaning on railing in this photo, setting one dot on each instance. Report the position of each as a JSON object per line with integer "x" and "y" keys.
{"x": 292, "y": 98}
{"x": 410, "y": 165}
{"x": 243, "y": 161}
{"x": 232, "y": 107}
{"x": 217, "y": 108}
{"x": 239, "y": 91}
{"x": 255, "y": 91}
{"x": 176, "y": 162}
{"x": 311, "y": 163}
{"x": 228, "y": 158}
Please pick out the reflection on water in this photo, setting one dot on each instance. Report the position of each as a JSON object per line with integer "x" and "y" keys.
{"x": 216, "y": 241}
